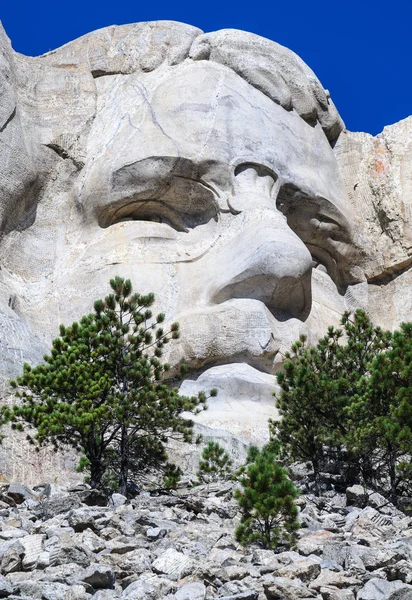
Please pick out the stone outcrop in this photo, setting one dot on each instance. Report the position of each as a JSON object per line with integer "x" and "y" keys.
{"x": 213, "y": 170}
{"x": 377, "y": 173}
{"x": 71, "y": 545}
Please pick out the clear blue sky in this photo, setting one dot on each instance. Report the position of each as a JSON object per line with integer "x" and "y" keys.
{"x": 360, "y": 50}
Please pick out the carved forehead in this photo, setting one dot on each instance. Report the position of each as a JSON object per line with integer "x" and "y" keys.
{"x": 205, "y": 113}
{"x": 144, "y": 47}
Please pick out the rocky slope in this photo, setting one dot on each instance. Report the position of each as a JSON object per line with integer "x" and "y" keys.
{"x": 71, "y": 545}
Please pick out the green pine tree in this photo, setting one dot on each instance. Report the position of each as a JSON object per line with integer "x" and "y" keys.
{"x": 269, "y": 513}
{"x": 215, "y": 464}
{"x": 318, "y": 386}
{"x": 382, "y": 415}
{"x": 102, "y": 389}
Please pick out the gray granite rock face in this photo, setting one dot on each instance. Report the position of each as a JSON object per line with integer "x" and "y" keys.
{"x": 213, "y": 170}
{"x": 198, "y": 557}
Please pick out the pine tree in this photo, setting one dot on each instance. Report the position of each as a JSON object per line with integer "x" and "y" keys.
{"x": 269, "y": 513}
{"x": 318, "y": 385}
{"x": 215, "y": 464}
{"x": 102, "y": 389}
{"x": 382, "y": 414}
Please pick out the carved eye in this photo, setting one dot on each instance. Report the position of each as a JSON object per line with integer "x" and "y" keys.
{"x": 154, "y": 211}
{"x": 320, "y": 226}
{"x": 161, "y": 190}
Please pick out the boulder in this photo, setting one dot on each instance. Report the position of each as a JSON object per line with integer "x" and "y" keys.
{"x": 330, "y": 593}
{"x": 305, "y": 569}
{"x": 357, "y": 495}
{"x": 191, "y": 591}
{"x": 6, "y": 589}
{"x": 20, "y": 493}
{"x": 282, "y": 588}
{"x": 174, "y": 564}
{"x": 98, "y": 576}
{"x": 380, "y": 589}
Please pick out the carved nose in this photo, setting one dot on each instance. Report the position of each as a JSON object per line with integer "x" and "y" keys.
{"x": 267, "y": 262}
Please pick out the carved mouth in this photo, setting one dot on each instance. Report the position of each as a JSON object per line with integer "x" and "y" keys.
{"x": 236, "y": 331}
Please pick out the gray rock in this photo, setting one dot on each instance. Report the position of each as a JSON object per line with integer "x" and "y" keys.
{"x": 401, "y": 570}
{"x": 6, "y": 589}
{"x": 69, "y": 552}
{"x": 305, "y": 569}
{"x": 12, "y": 559}
{"x": 265, "y": 560}
{"x": 118, "y": 500}
{"x": 20, "y": 493}
{"x": 380, "y": 589}
{"x": 12, "y": 533}
{"x": 105, "y": 595}
{"x": 98, "y": 576}
{"x": 81, "y": 519}
{"x": 336, "y": 594}
{"x": 33, "y": 547}
{"x": 241, "y": 596}
{"x": 150, "y": 587}
{"x": 357, "y": 495}
{"x": 313, "y": 543}
{"x": 154, "y": 533}
{"x": 57, "y": 504}
{"x": 123, "y": 545}
{"x": 91, "y": 541}
{"x": 401, "y": 594}
{"x": 42, "y": 590}
{"x": 174, "y": 564}
{"x": 282, "y": 588}
{"x": 333, "y": 579}
{"x": 191, "y": 591}
{"x": 92, "y": 497}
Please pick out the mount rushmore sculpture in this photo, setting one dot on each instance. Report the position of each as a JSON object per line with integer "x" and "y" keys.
{"x": 212, "y": 169}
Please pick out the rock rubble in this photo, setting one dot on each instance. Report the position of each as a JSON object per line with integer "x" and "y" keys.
{"x": 66, "y": 545}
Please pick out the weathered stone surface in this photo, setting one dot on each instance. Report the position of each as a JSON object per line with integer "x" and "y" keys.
{"x": 304, "y": 569}
{"x": 173, "y": 564}
{"x": 380, "y": 589}
{"x": 151, "y": 587}
{"x": 33, "y": 546}
{"x": 313, "y": 543}
{"x": 98, "y": 576}
{"x": 191, "y": 591}
{"x": 81, "y": 519}
{"x": 6, "y": 589}
{"x": 184, "y": 161}
{"x": 357, "y": 495}
{"x": 287, "y": 589}
{"x": 198, "y": 556}
{"x": 241, "y": 596}
{"x": 93, "y": 497}
{"x": 336, "y": 594}
{"x": 11, "y": 559}
{"x": 331, "y": 578}
{"x": 20, "y": 493}
{"x": 118, "y": 500}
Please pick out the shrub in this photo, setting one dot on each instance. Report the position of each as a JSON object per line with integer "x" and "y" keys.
{"x": 269, "y": 513}
{"x": 215, "y": 464}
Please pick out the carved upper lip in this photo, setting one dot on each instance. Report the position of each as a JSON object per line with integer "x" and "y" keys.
{"x": 238, "y": 330}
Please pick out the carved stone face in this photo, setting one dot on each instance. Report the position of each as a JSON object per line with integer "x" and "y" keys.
{"x": 201, "y": 189}
{"x": 192, "y": 174}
